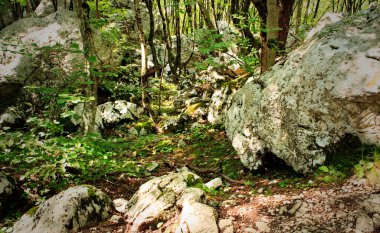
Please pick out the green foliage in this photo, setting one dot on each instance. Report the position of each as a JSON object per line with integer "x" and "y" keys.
{"x": 50, "y": 164}
{"x": 369, "y": 165}
{"x": 165, "y": 146}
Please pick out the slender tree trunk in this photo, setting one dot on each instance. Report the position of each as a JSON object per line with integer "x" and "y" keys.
{"x": 90, "y": 106}
{"x": 177, "y": 65}
{"x": 316, "y": 9}
{"x": 143, "y": 77}
{"x": 2, "y": 24}
{"x": 97, "y": 9}
{"x": 298, "y": 15}
{"x": 306, "y": 12}
{"x": 269, "y": 53}
{"x": 206, "y": 16}
{"x": 286, "y": 10}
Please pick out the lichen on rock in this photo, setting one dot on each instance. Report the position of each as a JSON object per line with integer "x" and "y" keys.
{"x": 299, "y": 110}
{"x": 68, "y": 211}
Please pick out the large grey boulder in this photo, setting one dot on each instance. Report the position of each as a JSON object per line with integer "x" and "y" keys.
{"x": 160, "y": 199}
{"x": 68, "y": 211}
{"x": 22, "y": 61}
{"x": 6, "y": 192}
{"x": 327, "y": 88}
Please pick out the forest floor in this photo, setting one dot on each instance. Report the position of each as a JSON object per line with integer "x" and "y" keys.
{"x": 274, "y": 199}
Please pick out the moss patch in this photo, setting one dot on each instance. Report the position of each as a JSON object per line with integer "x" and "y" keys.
{"x": 32, "y": 211}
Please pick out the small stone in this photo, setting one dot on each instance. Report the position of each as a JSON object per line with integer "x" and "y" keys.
{"x": 226, "y": 226}
{"x": 261, "y": 190}
{"x": 214, "y": 183}
{"x": 115, "y": 218}
{"x": 228, "y": 203}
{"x": 262, "y": 226}
{"x": 364, "y": 224}
{"x": 295, "y": 207}
{"x": 283, "y": 210}
{"x": 376, "y": 221}
{"x": 120, "y": 205}
{"x": 340, "y": 214}
{"x": 249, "y": 230}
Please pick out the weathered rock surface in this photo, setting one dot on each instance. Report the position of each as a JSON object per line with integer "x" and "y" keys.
{"x": 10, "y": 116}
{"x": 6, "y": 192}
{"x": 21, "y": 60}
{"x": 46, "y": 7}
{"x": 114, "y": 112}
{"x": 369, "y": 220}
{"x": 67, "y": 211}
{"x": 159, "y": 200}
{"x": 300, "y": 110}
{"x": 197, "y": 218}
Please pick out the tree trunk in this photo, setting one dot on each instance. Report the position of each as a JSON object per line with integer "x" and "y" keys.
{"x": 206, "y": 16}
{"x": 306, "y": 12}
{"x": 91, "y": 91}
{"x": 298, "y": 15}
{"x": 286, "y": 10}
{"x": 144, "y": 79}
{"x": 270, "y": 45}
{"x": 97, "y": 9}
{"x": 316, "y": 9}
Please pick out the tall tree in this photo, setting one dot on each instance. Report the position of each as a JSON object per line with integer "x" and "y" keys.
{"x": 92, "y": 81}
{"x": 298, "y": 15}
{"x": 270, "y": 45}
{"x": 282, "y": 10}
{"x": 144, "y": 80}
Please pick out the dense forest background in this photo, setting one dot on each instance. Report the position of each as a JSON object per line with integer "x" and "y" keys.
{"x": 129, "y": 90}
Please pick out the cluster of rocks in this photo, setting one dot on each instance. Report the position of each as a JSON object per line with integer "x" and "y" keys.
{"x": 168, "y": 202}
{"x": 300, "y": 111}
{"x": 68, "y": 211}
{"x": 203, "y": 98}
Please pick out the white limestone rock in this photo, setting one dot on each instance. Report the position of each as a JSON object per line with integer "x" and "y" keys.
{"x": 300, "y": 110}
{"x": 198, "y": 218}
{"x": 120, "y": 205}
{"x": 21, "y": 62}
{"x": 214, "y": 183}
{"x": 372, "y": 204}
{"x": 160, "y": 199}
{"x": 114, "y": 112}
{"x": 364, "y": 224}
{"x": 68, "y": 211}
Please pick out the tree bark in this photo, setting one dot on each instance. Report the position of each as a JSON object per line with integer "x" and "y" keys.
{"x": 286, "y": 10}
{"x": 298, "y": 15}
{"x": 144, "y": 80}
{"x": 91, "y": 91}
{"x": 270, "y": 45}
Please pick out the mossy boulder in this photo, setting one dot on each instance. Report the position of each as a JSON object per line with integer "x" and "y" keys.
{"x": 68, "y": 211}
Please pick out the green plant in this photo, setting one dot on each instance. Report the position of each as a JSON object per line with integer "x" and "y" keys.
{"x": 329, "y": 174}
{"x": 49, "y": 164}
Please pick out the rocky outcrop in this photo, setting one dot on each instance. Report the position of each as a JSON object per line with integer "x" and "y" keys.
{"x": 304, "y": 106}
{"x": 114, "y": 112}
{"x": 157, "y": 202}
{"x": 369, "y": 220}
{"x": 67, "y": 211}
{"x": 24, "y": 62}
{"x": 6, "y": 192}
